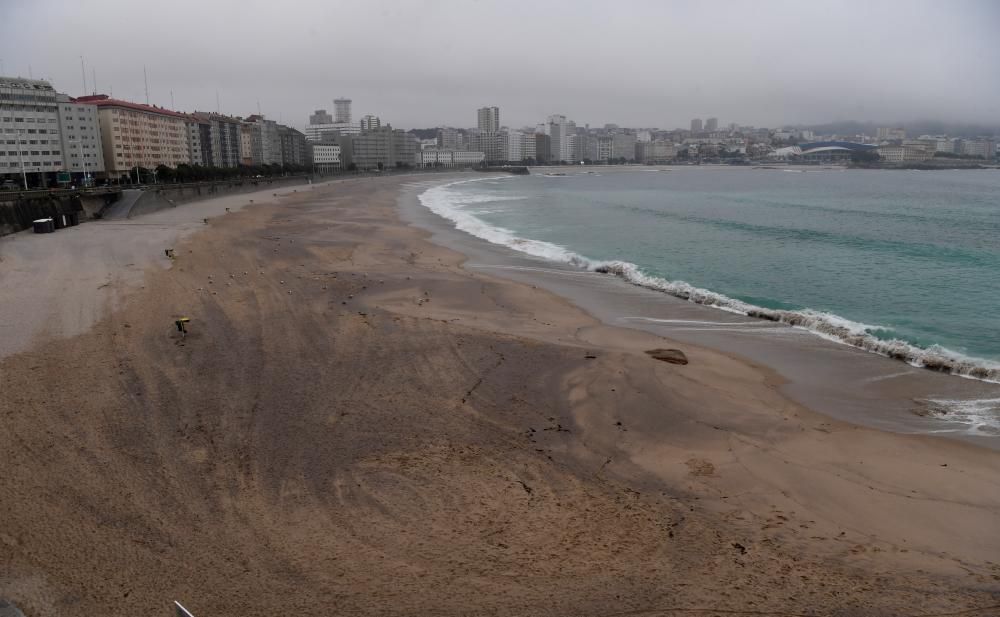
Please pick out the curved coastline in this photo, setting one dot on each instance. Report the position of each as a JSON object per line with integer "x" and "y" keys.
{"x": 826, "y": 325}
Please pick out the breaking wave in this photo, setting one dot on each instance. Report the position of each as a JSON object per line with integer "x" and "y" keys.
{"x": 448, "y": 202}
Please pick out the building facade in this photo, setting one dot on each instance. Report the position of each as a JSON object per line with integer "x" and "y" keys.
{"x": 901, "y": 154}
{"x": 449, "y": 139}
{"x": 370, "y": 122}
{"x": 342, "y": 111}
{"x": 246, "y": 143}
{"x": 320, "y": 117}
{"x": 294, "y": 148}
{"x": 712, "y": 124}
{"x": 82, "y": 147}
{"x": 330, "y": 132}
{"x": 696, "y": 125}
{"x": 381, "y": 148}
{"x": 221, "y": 146}
{"x": 134, "y": 135}
{"x": 520, "y": 146}
{"x": 449, "y": 158}
{"x": 325, "y": 156}
{"x": 31, "y": 147}
{"x": 265, "y": 142}
{"x": 543, "y": 148}
{"x": 623, "y": 146}
{"x": 493, "y": 144}
{"x": 557, "y": 130}
{"x": 986, "y": 148}
{"x": 198, "y": 134}
{"x": 488, "y": 119}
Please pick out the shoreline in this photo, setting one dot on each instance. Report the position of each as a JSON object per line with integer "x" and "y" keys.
{"x": 871, "y": 389}
{"x": 358, "y": 418}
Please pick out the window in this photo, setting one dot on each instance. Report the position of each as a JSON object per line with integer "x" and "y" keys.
{"x": 57, "y": 152}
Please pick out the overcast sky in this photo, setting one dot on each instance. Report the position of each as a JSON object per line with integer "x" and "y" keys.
{"x": 427, "y": 63}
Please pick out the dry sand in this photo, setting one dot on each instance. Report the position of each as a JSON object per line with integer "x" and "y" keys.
{"x": 355, "y": 425}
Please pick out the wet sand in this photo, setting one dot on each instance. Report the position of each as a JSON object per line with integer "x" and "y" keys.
{"x": 358, "y": 425}
{"x": 827, "y": 376}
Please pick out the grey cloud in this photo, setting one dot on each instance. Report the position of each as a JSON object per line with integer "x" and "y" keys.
{"x": 416, "y": 64}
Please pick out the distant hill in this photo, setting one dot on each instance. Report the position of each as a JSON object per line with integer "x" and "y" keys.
{"x": 425, "y": 133}
{"x": 913, "y": 129}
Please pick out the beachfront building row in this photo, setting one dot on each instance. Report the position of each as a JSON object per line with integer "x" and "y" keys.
{"x": 48, "y": 138}
{"x": 44, "y": 133}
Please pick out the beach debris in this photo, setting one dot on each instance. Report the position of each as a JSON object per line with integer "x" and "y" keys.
{"x": 590, "y": 356}
{"x": 227, "y": 209}
{"x": 527, "y": 489}
{"x": 169, "y": 253}
{"x": 181, "y": 324}
{"x": 206, "y": 221}
{"x": 742, "y": 549}
{"x": 672, "y": 356}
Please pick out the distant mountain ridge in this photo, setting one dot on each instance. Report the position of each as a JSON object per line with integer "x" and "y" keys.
{"x": 913, "y": 129}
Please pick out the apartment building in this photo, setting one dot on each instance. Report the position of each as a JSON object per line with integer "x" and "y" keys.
{"x": 198, "y": 134}
{"x": 494, "y": 144}
{"x": 31, "y": 147}
{"x": 488, "y": 119}
{"x": 380, "y": 148}
{"x": 80, "y": 140}
{"x": 294, "y": 149}
{"x": 136, "y": 135}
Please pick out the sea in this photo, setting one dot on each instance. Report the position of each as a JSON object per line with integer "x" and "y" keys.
{"x": 905, "y": 264}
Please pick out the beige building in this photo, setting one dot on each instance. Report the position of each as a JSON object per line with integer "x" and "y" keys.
{"x": 136, "y": 135}
{"x": 246, "y": 143}
{"x": 904, "y": 154}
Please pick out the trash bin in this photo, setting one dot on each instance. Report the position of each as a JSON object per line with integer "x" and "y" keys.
{"x": 43, "y": 226}
{"x": 72, "y": 219}
{"x": 59, "y": 221}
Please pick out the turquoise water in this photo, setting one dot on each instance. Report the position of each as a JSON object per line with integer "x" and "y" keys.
{"x": 902, "y": 263}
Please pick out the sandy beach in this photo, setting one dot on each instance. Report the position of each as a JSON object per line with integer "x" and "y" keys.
{"x": 356, "y": 424}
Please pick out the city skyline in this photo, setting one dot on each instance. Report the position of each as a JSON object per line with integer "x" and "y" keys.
{"x": 770, "y": 64}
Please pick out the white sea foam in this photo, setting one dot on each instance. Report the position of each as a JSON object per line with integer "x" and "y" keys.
{"x": 982, "y": 416}
{"x": 449, "y": 203}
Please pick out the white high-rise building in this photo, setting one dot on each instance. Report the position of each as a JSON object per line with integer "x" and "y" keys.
{"x": 520, "y": 146}
{"x": 370, "y": 122}
{"x": 342, "y": 110}
{"x": 488, "y": 119}
{"x": 557, "y": 130}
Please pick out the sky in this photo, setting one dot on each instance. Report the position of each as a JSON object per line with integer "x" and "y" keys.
{"x": 426, "y": 63}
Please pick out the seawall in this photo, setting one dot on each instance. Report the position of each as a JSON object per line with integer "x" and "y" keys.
{"x": 18, "y": 209}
